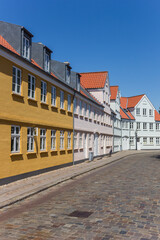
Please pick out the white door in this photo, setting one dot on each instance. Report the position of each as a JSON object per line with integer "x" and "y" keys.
{"x": 125, "y": 145}
{"x": 138, "y": 144}
{"x": 95, "y": 144}
{"x": 86, "y": 146}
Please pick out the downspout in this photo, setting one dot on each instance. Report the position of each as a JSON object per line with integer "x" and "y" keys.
{"x": 73, "y": 125}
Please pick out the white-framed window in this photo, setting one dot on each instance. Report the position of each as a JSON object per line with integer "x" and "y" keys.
{"x": 61, "y": 99}
{"x": 80, "y": 140}
{"x": 68, "y": 75}
{"x": 80, "y": 107}
{"x": 151, "y": 140}
{"x": 137, "y": 111}
{"x": 42, "y": 139}
{"x": 75, "y": 140}
{"x": 78, "y": 83}
{"x": 53, "y": 96}
{"x": 157, "y": 141}
{"x": 144, "y": 140}
{"x": 69, "y": 102}
{"x": 150, "y": 126}
{"x": 131, "y": 125}
{"x": 123, "y": 125}
{"x": 43, "y": 91}
{"x": 90, "y": 140}
{"x": 69, "y": 140}
{"x": 150, "y": 112}
{"x": 126, "y": 123}
{"x": 131, "y": 140}
{"x": 85, "y": 109}
{"x": 75, "y": 105}
{"x": 138, "y": 125}
{"x": 144, "y": 112}
{"x": 89, "y": 110}
{"x": 61, "y": 140}
{"x": 26, "y": 46}
{"x": 144, "y": 126}
{"x": 94, "y": 114}
{"x": 16, "y": 80}
{"x": 46, "y": 62}
{"x": 31, "y": 86}
{"x": 53, "y": 139}
{"x": 15, "y": 139}
{"x": 30, "y": 139}
{"x": 157, "y": 126}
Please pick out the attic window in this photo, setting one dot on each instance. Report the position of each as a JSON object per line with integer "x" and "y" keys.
{"x": 46, "y": 62}
{"x": 78, "y": 83}
{"x": 26, "y": 47}
{"x": 68, "y": 75}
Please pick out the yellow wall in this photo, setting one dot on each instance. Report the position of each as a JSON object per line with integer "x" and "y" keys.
{"x": 19, "y": 110}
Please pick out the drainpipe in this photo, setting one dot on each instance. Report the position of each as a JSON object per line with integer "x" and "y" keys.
{"x": 73, "y": 126}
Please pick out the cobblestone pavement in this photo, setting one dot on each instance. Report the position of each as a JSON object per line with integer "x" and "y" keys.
{"x": 118, "y": 201}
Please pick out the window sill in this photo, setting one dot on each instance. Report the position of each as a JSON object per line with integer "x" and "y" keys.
{"x": 62, "y": 110}
{"x": 44, "y": 103}
{"x": 30, "y": 153}
{"x": 31, "y": 99}
{"x": 17, "y": 95}
{"x": 76, "y": 114}
{"x": 62, "y": 150}
{"x": 16, "y": 154}
{"x": 53, "y": 150}
{"x": 52, "y": 106}
{"x": 81, "y": 148}
{"x": 69, "y": 111}
{"x": 43, "y": 151}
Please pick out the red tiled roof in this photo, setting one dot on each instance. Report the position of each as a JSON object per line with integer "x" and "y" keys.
{"x": 94, "y": 79}
{"x": 130, "y": 102}
{"x": 36, "y": 64}
{"x": 123, "y": 114}
{"x": 5, "y": 44}
{"x": 53, "y": 75}
{"x": 130, "y": 115}
{"x": 157, "y": 116}
{"x": 124, "y": 101}
{"x": 114, "y": 90}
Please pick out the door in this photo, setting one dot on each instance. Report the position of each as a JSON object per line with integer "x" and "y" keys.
{"x": 138, "y": 144}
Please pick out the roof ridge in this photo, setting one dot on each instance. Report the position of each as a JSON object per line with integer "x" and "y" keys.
{"x": 94, "y": 72}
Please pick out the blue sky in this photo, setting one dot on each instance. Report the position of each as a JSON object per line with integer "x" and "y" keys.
{"x": 120, "y": 36}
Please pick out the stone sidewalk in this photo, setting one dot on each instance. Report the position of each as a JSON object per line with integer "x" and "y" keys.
{"x": 19, "y": 190}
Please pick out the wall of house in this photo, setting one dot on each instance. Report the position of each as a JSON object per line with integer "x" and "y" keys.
{"x": 21, "y": 111}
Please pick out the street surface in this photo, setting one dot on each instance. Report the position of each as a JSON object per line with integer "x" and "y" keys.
{"x": 118, "y": 201}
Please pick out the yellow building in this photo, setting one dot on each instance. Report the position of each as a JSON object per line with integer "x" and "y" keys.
{"x": 36, "y": 117}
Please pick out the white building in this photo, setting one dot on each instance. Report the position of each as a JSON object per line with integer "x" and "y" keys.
{"x": 142, "y": 128}
{"x": 115, "y": 106}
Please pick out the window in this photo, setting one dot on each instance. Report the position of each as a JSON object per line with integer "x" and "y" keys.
{"x": 53, "y": 139}
{"x": 46, "y": 62}
{"x": 157, "y": 141}
{"x": 94, "y": 114}
{"x": 69, "y": 102}
{"x": 131, "y": 125}
{"x": 90, "y": 140}
{"x": 68, "y": 76}
{"x": 131, "y": 140}
{"x": 30, "y": 139}
{"x": 137, "y": 111}
{"x": 89, "y": 111}
{"x": 144, "y": 140}
{"x": 31, "y": 86}
{"x": 75, "y": 140}
{"x": 53, "y": 96}
{"x": 127, "y": 125}
{"x": 85, "y": 109}
{"x": 15, "y": 139}
{"x": 144, "y": 112}
{"x": 80, "y": 141}
{"x": 26, "y": 45}
{"x": 78, "y": 83}
{"x": 151, "y": 126}
{"x": 138, "y": 125}
{"x": 61, "y": 139}
{"x": 75, "y": 105}
{"x": 69, "y": 140}
{"x": 42, "y": 139}
{"x": 123, "y": 125}
{"x": 144, "y": 126}
{"x": 43, "y": 91}
{"x": 61, "y": 99}
{"x": 151, "y": 140}
{"x": 16, "y": 81}
{"x": 80, "y": 107}
{"x": 157, "y": 126}
{"x": 150, "y": 112}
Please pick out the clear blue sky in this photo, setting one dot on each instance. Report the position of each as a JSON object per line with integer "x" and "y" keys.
{"x": 120, "y": 36}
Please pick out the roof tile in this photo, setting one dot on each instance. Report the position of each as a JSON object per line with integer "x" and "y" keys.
{"x": 94, "y": 79}
{"x": 114, "y": 90}
{"x": 157, "y": 116}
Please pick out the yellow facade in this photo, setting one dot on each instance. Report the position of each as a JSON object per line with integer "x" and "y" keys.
{"x": 21, "y": 111}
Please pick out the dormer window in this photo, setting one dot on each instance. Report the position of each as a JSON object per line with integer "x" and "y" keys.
{"x": 78, "y": 82}
{"x": 68, "y": 75}
{"x": 26, "y": 46}
{"x": 46, "y": 62}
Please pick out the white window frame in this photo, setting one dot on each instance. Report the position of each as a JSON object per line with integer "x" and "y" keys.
{"x": 15, "y": 136}
{"x": 43, "y": 92}
{"x": 69, "y": 102}
{"x": 30, "y": 139}
{"x": 151, "y": 140}
{"x": 46, "y": 62}
{"x": 137, "y": 111}
{"x": 157, "y": 126}
{"x": 144, "y": 126}
{"x": 90, "y": 140}
{"x": 26, "y": 48}
{"x": 89, "y": 110}
{"x": 68, "y": 75}
{"x": 80, "y": 107}
{"x": 61, "y": 140}
{"x": 144, "y": 112}
{"x": 131, "y": 125}
{"x": 16, "y": 80}
{"x": 75, "y": 105}
{"x": 61, "y": 99}
{"x": 42, "y": 139}
{"x": 151, "y": 112}
{"x": 80, "y": 140}
{"x": 85, "y": 109}
{"x": 138, "y": 125}
{"x": 69, "y": 140}
{"x": 53, "y": 96}
{"x": 131, "y": 140}
{"x": 150, "y": 126}
{"x": 31, "y": 86}
{"x": 144, "y": 140}
{"x": 157, "y": 140}
{"x": 53, "y": 139}
{"x": 75, "y": 140}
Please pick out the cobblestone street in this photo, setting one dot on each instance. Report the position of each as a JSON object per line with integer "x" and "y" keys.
{"x": 118, "y": 201}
